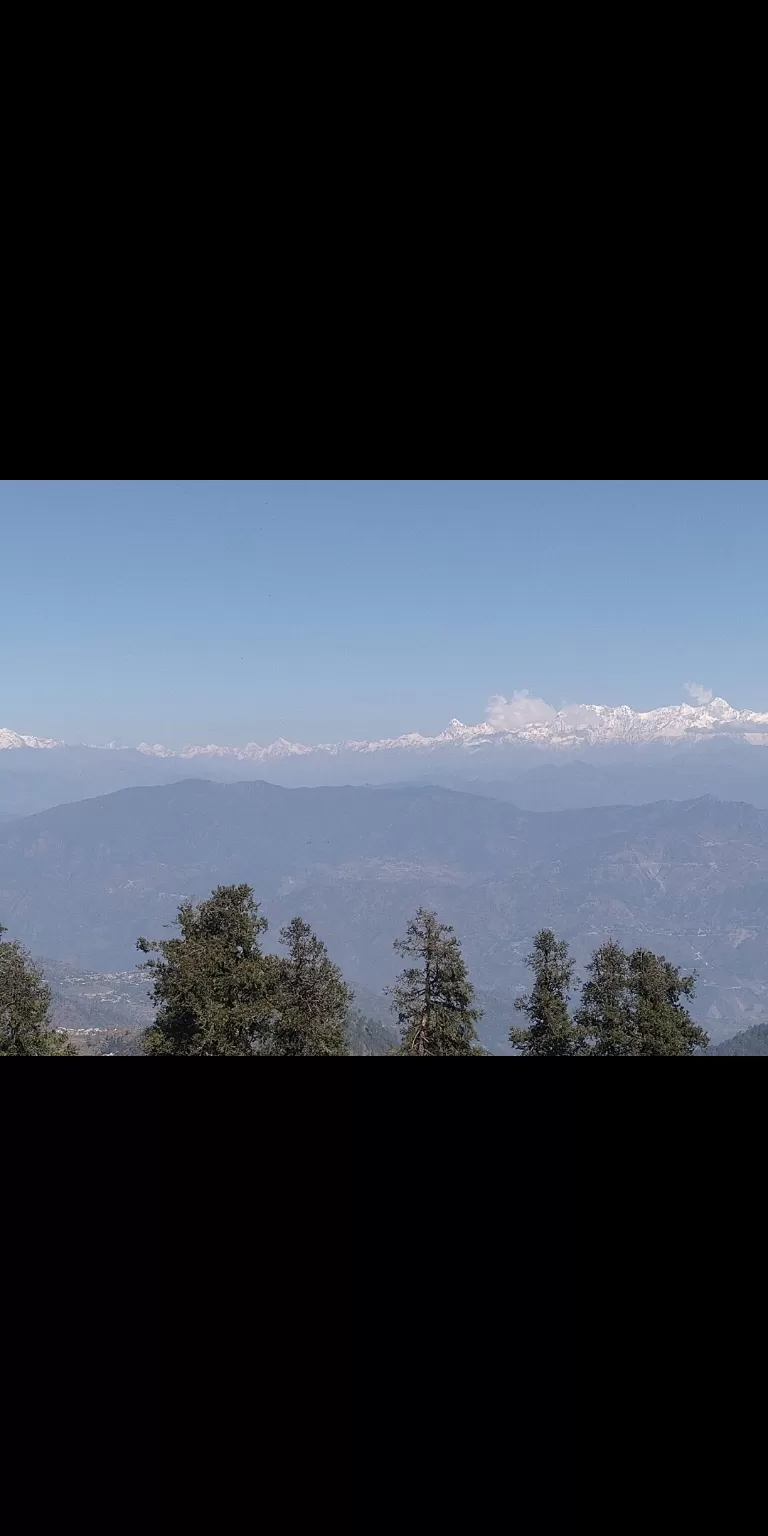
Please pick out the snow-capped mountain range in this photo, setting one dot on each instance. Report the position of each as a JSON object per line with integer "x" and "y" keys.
{"x": 13, "y": 739}
{"x": 577, "y": 726}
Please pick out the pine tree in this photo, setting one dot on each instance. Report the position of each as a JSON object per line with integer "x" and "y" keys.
{"x": 434, "y": 998}
{"x": 309, "y": 996}
{"x": 25, "y": 1000}
{"x": 211, "y": 985}
{"x": 550, "y": 1031}
{"x": 631, "y": 1006}
{"x": 604, "y": 1014}
{"x": 664, "y": 1025}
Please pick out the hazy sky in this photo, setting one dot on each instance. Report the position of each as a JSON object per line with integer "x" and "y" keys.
{"x": 214, "y": 610}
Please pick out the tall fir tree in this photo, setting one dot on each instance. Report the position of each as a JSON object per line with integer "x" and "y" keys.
{"x": 550, "y": 1030}
{"x": 211, "y": 985}
{"x": 25, "y": 1001}
{"x": 632, "y": 1005}
{"x": 434, "y": 999}
{"x": 664, "y": 1025}
{"x": 604, "y": 1014}
{"x": 310, "y": 998}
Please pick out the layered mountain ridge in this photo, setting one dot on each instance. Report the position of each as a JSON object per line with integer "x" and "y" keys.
{"x": 79, "y": 883}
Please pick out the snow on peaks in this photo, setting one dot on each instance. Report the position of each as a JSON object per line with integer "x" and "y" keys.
{"x": 457, "y": 731}
{"x": 13, "y": 739}
{"x": 279, "y": 748}
{"x": 577, "y": 725}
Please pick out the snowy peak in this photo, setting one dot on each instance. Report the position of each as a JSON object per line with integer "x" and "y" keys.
{"x": 13, "y": 739}
{"x": 576, "y": 726}
{"x": 457, "y": 731}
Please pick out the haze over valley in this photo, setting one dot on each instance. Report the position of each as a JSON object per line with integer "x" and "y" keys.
{"x": 79, "y": 883}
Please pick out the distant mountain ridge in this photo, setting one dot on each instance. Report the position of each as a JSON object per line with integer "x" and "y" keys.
{"x": 687, "y": 879}
{"x": 590, "y": 755}
{"x": 577, "y": 726}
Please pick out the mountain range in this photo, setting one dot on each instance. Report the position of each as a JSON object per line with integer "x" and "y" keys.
{"x": 589, "y": 755}
{"x": 81, "y": 882}
{"x": 576, "y": 726}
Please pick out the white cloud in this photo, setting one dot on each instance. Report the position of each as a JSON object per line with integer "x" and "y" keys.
{"x": 512, "y": 713}
{"x": 577, "y": 714}
{"x": 699, "y": 693}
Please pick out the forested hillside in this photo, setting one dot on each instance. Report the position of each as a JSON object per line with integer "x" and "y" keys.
{"x": 215, "y": 991}
{"x": 748, "y": 1042}
{"x": 690, "y": 880}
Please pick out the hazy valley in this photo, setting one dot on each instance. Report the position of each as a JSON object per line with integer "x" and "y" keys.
{"x": 80, "y": 883}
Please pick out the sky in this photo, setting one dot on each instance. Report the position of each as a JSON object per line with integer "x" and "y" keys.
{"x": 228, "y": 611}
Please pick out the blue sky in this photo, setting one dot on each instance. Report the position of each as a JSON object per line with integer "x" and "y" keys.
{"x": 202, "y": 610}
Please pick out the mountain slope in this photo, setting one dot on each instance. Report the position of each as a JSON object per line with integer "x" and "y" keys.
{"x": 81, "y": 882}
{"x": 727, "y": 770}
{"x": 749, "y": 1042}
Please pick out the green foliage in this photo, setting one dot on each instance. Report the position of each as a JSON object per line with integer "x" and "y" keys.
{"x": 604, "y": 1014}
{"x": 434, "y": 998}
{"x": 211, "y": 984}
{"x": 664, "y": 1026}
{"x": 366, "y": 1036}
{"x": 631, "y": 1005}
{"x": 217, "y": 994}
{"x": 550, "y": 1030}
{"x": 749, "y": 1042}
{"x": 25, "y": 1000}
{"x": 310, "y": 999}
